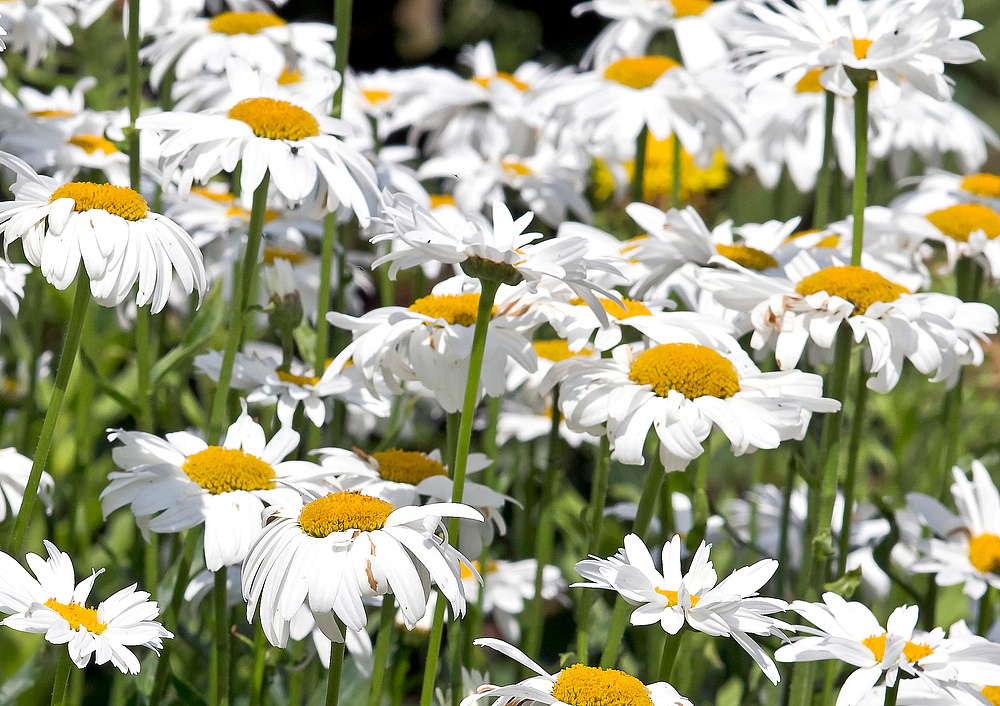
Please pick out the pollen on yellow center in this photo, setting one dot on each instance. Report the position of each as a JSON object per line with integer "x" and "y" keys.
{"x": 220, "y": 470}
{"x": 300, "y": 380}
{"x": 460, "y": 309}
{"x": 516, "y": 168}
{"x": 982, "y": 184}
{"x": 857, "y": 285}
{"x": 631, "y": 308}
{"x": 375, "y": 97}
{"x": 409, "y": 467}
{"x": 442, "y": 200}
{"x": 554, "y": 349}
{"x": 830, "y": 241}
{"x": 346, "y": 510}
{"x": 671, "y": 597}
{"x": 876, "y": 643}
{"x": 992, "y": 694}
{"x": 243, "y": 22}
{"x": 861, "y": 47}
{"x": 289, "y": 77}
{"x": 962, "y": 220}
{"x": 690, "y": 8}
{"x": 751, "y": 258}
{"x": 277, "y": 252}
{"x": 78, "y": 616}
{"x": 984, "y": 553}
{"x": 810, "y": 82}
{"x": 485, "y": 81}
{"x": 692, "y": 370}
{"x": 639, "y": 72}
{"x": 119, "y": 200}
{"x": 912, "y": 651}
{"x": 93, "y": 143}
{"x": 581, "y": 685}
{"x": 275, "y": 119}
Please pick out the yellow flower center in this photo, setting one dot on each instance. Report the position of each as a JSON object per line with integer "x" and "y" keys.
{"x": 243, "y": 22}
{"x": 984, "y": 553}
{"x": 639, "y": 72}
{"x": 491, "y": 566}
{"x": 992, "y": 694}
{"x": 460, "y": 309}
{"x": 554, "y": 349}
{"x": 375, "y": 97}
{"x": 658, "y": 179}
{"x": 349, "y": 509}
{"x": 876, "y": 643}
{"x": 217, "y": 196}
{"x": 631, "y": 308}
{"x": 300, "y": 380}
{"x": 277, "y": 252}
{"x": 912, "y": 651}
{"x": 751, "y": 258}
{"x": 517, "y": 83}
{"x": 408, "y": 467}
{"x": 220, "y": 470}
{"x": 275, "y": 119}
{"x": 982, "y": 185}
{"x": 830, "y": 241}
{"x": 692, "y": 370}
{"x": 810, "y": 82}
{"x": 118, "y": 200}
{"x": 672, "y": 597}
{"x": 581, "y": 685}
{"x": 289, "y": 77}
{"x": 857, "y": 285}
{"x": 78, "y": 616}
{"x": 442, "y": 200}
{"x": 961, "y": 220}
{"x": 861, "y": 47}
{"x": 52, "y": 114}
{"x": 516, "y": 168}
{"x": 92, "y": 143}
{"x": 689, "y": 8}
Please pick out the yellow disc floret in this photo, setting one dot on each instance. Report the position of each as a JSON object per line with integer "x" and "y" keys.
{"x": 300, "y": 380}
{"x": 614, "y": 309}
{"x": 220, "y": 470}
{"x": 515, "y": 168}
{"x": 639, "y": 72}
{"x": 876, "y": 643}
{"x": 243, "y": 22}
{"x": 409, "y": 467}
{"x": 912, "y": 651}
{"x": 347, "y": 510}
{"x": 690, "y": 8}
{"x": 93, "y": 143}
{"x": 830, "y": 241}
{"x": 287, "y": 78}
{"x": 581, "y": 685}
{"x": 810, "y": 82}
{"x": 751, "y": 258}
{"x": 984, "y": 553}
{"x": 982, "y": 185}
{"x": 692, "y": 370}
{"x": 119, "y": 200}
{"x": 295, "y": 256}
{"x": 460, "y": 309}
{"x": 671, "y": 597}
{"x": 78, "y": 616}
{"x": 857, "y": 285}
{"x": 861, "y": 47}
{"x": 275, "y": 119}
{"x": 992, "y": 694}
{"x": 485, "y": 81}
{"x": 555, "y": 349}
{"x": 962, "y": 220}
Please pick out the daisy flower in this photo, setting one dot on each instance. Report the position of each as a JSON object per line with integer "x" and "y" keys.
{"x": 108, "y": 229}
{"x": 53, "y": 604}
{"x": 802, "y": 309}
{"x": 296, "y": 142}
{"x": 683, "y": 388}
{"x": 895, "y": 41}
{"x": 577, "y": 685}
{"x": 179, "y": 482}
{"x": 730, "y": 608}
{"x": 36, "y": 28}
{"x": 12, "y": 279}
{"x": 14, "y": 471}
{"x": 963, "y": 548}
{"x": 332, "y": 551}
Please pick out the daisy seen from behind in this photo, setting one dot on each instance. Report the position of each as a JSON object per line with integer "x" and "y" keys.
{"x": 52, "y": 603}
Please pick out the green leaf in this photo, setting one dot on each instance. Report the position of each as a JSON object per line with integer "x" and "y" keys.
{"x": 186, "y": 693}
{"x": 91, "y": 368}
{"x": 30, "y": 673}
{"x": 199, "y": 332}
{"x": 847, "y": 584}
{"x": 305, "y": 339}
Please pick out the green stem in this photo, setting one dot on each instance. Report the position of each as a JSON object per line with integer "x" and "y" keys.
{"x": 322, "y": 325}
{"x": 643, "y": 515}
{"x": 142, "y": 347}
{"x": 336, "y": 667}
{"x": 598, "y": 498}
{"x": 134, "y": 96}
{"x": 670, "y": 649}
{"x": 34, "y": 295}
{"x": 170, "y": 617}
{"x": 71, "y": 344}
{"x": 985, "y": 619}
{"x": 221, "y": 637}
{"x": 639, "y": 165}
{"x": 784, "y": 539}
{"x": 891, "y": 692}
{"x": 243, "y": 293}
{"x": 700, "y": 509}
{"x": 387, "y": 617}
{"x": 259, "y": 664}
{"x": 433, "y": 650}
{"x": 675, "y": 183}
{"x": 821, "y": 206}
{"x": 546, "y": 532}
{"x": 61, "y": 680}
{"x": 851, "y": 480}
{"x": 860, "y": 166}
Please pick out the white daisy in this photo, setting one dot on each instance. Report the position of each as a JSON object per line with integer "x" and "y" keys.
{"x": 109, "y": 229}
{"x": 53, "y": 604}
{"x": 730, "y": 608}
{"x": 577, "y": 685}
{"x": 180, "y": 482}
{"x": 335, "y": 550}
{"x": 14, "y": 471}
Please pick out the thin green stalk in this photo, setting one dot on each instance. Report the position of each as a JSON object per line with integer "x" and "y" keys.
{"x": 700, "y": 509}
{"x": 670, "y": 649}
{"x": 134, "y": 104}
{"x": 433, "y": 650}
{"x": 985, "y": 618}
{"x": 832, "y": 670}
{"x": 61, "y": 680}
{"x": 891, "y": 692}
{"x": 784, "y": 539}
{"x": 860, "y": 166}
{"x": 143, "y": 357}
{"x": 821, "y": 206}
{"x": 221, "y": 637}
{"x": 259, "y": 664}
{"x": 386, "y": 619}
{"x": 598, "y": 498}
{"x": 322, "y": 325}
{"x": 71, "y": 344}
{"x": 34, "y": 294}
{"x": 336, "y": 667}
{"x": 850, "y": 479}
{"x": 170, "y": 617}
{"x": 675, "y": 183}
{"x": 643, "y": 515}
{"x": 545, "y": 535}
{"x": 243, "y": 293}
{"x": 639, "y": 166}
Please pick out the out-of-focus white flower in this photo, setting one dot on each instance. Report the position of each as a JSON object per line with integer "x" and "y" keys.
{"x": 14, "y": 471}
